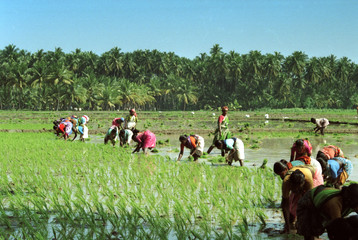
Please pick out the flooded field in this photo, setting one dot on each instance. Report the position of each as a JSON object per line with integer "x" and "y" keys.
{"x": 63, "y": 187}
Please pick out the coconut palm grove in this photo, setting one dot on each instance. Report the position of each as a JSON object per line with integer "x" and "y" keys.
{"x": 154, "y": 80}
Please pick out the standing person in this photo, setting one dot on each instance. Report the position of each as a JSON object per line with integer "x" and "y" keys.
{"x": 329, "y": 152}
{"x": 131, "y": 120}
{"x": 222, "y": 131}
{"x": 145, "y": 140}
{"x": 321, "y": 124}
{"x": 195, "y": 143}
{"x": 236, "y": 148}
{"x": 301, "y": 150}
{"x": 321, "y": 205}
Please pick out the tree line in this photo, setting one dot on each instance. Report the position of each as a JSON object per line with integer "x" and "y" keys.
{"x": 154, "y": 80}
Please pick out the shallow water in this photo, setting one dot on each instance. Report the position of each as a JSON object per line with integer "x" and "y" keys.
{"x": 272, "y": 149}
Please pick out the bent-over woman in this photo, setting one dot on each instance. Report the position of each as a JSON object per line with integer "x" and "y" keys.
{"x": 301, "y": 150}
{"x": 222, "y": 131}
{"x": 236, "y": 149}
{"x": 195, "y": 143}
{"x": 145, "y": 140}
{"x": 296, "y": 181}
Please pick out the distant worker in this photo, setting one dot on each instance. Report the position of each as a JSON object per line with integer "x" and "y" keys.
{"x": 222, "y": 131}
{"x": 131, "y": 120}
{"x": 321, "y": 124}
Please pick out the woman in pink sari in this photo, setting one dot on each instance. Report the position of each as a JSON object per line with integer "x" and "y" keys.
{"x": 146, "y": 140}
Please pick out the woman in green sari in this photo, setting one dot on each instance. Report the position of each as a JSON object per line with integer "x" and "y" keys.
{"x": 222, "y": 131}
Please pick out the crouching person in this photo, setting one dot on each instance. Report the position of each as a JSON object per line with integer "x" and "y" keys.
{"x": 145, "y": 140}
{"x": 236, "y": 149}
{"x": 111, "y": 135}
{"x": 195, "y": 143}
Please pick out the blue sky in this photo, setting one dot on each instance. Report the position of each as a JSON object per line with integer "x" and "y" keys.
{"x": 187, "y": 28}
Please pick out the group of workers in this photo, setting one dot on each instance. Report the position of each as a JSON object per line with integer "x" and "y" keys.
{"x": 125, "y": 130}
{"x": 223, "y": 140}
{"x": 64, "y": 127}
{"x": 313, "y": 195}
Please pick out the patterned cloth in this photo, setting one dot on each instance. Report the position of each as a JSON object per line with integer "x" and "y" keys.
{"x": 225, "y": 132}
{"x": 332, "y": 151}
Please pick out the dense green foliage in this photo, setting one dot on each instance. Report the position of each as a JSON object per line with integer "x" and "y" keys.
{"x": 55, "y": 80}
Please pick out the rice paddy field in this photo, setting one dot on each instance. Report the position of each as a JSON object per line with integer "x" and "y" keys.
{"x": 52, "y": 189}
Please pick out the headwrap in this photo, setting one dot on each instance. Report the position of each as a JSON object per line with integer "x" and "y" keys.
{"x": 225, "y": 108}
{"x": 86, "y": 117}
{"x": 133, "y": 111}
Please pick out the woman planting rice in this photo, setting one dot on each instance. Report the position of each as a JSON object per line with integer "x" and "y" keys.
{"x": 195, "y": 143}
{"x": 112, "y": 133}
{"x": 296, "y": 181}
{"x": 329, "y": 152}
{"x": 145, "y": 140}
{"x": 65, "y": 128}
{"x": 222, "y": 131}
{"x": 125, "y": 137}
{"x": 321, "y": 205}
{"x": 301, "y": 150}
{"x": 336, "y": 170}
{"x": 236, "y": 148}
{"x": 118, "y": 122}
{"x": 80, "y": 129}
